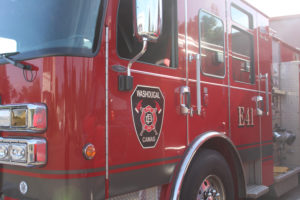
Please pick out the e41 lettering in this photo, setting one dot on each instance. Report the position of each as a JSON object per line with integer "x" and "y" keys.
{"x": 245, "y": 116}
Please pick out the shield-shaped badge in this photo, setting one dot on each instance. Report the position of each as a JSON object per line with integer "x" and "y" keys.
{"x": 147, "y": 105}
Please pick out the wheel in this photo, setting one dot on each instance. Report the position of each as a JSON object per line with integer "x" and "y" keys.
{"x": 208, "y": 178}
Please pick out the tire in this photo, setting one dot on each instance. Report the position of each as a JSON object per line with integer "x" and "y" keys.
{"x": 209, "y": 170}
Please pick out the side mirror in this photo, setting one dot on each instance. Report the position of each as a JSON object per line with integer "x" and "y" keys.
{"x": 147, "y": 22}
{"x": 148, "y": 19}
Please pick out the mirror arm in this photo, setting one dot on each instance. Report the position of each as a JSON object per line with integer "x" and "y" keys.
{"x": 140, "y": 54}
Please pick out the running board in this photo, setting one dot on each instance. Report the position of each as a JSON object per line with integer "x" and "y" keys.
{"x": 256, "y": 191}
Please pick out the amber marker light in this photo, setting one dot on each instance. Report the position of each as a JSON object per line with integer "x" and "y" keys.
{"x": 89, "y": 151}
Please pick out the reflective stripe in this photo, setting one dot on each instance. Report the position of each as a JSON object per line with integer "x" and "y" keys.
{"x": 253, "y": 153}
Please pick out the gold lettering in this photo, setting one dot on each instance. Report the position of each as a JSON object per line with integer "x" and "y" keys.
{"x": 252, "y": 121}
{"x": 245, "y": 116}
{"x": 241, "y": 116}
{"x": 247, "y": 120}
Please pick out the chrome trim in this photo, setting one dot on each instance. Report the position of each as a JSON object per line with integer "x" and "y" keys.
{"x": 260, "y": 121}
{"x": 158, "y": 75}
{"x": 186, "y": 42}
{"x": 30, "y": 150}
{"x": 198, "y": 75}
{"x": 189, "y": 155}
{"x": 135, "y": 58}
{"x": 193, "y": 80}
{"x": 184, "y": 109}
{"x": 31, "y": 108}
{"x": 5, "y": 119}
{"x": 228, "y": 70}
{"x": 23, "y": 187}
{"x": 186, "y": 63}
{"x": 267, "y": 95}
{"x": 209, "y": 83}
{"x": 258, "y": 99}
{"x": 148, "y": 19}
{"x": 246, "y": 89}
{"x": 106, "y": 101}
{"x": 266, "y": 77}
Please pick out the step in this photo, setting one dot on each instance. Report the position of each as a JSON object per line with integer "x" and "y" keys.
{"x": 285, "y": 182}
{"x": 284, "y": 176}
{"x": 256, "y": 191}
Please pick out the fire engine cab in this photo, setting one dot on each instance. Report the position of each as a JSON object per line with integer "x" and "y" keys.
{"x": 140, "y": 99}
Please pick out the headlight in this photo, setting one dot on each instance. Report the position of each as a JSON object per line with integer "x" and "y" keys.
{"x": 4, "y": 148}
{"x": 24, "y": 152}
{"x": 5, "y": 118}
{"x": 18, "y": 152}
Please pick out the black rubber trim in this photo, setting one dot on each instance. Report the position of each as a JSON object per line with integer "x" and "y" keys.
{"x": 50, "y": 189}
{"x": 138, "y": 179}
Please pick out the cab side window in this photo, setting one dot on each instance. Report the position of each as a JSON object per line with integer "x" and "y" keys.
{"x": 241, "y": 17}
{"x": 242, "y": 47}
{"x": 211, "y": 38}
{"x": 164, "y": 51}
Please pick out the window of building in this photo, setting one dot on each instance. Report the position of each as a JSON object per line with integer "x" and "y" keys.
{"x": 211, "y": 30}
{"x": 164, "y": 51}
{"x": 242, "y": 56}
{"x": 241, "y": 17}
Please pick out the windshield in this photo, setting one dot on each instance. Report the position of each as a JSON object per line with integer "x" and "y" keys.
{"x": 60, "y": 26}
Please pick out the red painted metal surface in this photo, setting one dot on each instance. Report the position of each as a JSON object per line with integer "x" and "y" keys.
{"x": 70, "y": 88}
{"x": 74, "y": 92}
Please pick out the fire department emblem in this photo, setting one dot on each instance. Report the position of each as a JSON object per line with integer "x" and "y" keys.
{"x": 147, "y": 113}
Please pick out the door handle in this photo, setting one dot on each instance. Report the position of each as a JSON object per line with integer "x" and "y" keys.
{"x": 185, "y": 95}
{"x": 198, "y": 71}
{"x": 259, "y": 101}
{"x": 266, "y": 77}
{"x": 185, "y": 100}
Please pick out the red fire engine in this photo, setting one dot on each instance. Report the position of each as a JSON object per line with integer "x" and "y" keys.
{"x": 136, "y": 99}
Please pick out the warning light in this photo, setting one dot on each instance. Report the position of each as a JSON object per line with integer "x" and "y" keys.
{"x": 40, "y": 119}
{"x": 18, "y": 117}
{"x": 23, "y": 117}
{"x": 89, "y": 151}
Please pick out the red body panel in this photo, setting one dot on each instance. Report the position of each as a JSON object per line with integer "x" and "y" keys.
{"x": 70, "y": 89}
{"x": 214, "y": 116}
{"x": 74, "y": 94}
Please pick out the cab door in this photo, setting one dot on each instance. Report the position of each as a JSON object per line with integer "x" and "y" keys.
{"x": 208, "y": 77}
{"x": 265, "y": 65}
{"x": 146, "y": 131}
{"x": 245, "y": 99}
